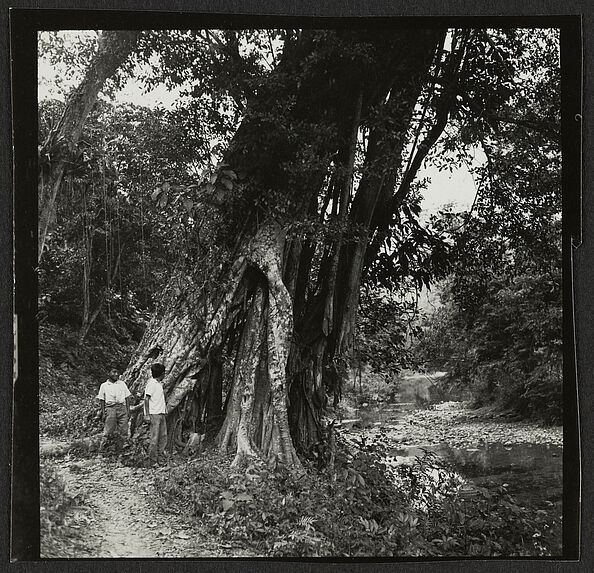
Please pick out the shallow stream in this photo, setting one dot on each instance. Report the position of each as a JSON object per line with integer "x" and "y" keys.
{"x": 486, "y": 453}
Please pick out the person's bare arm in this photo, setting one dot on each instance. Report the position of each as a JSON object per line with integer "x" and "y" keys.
{"x": 102, "y": 404}
{"x": 146, "y": 408}
{"x": 135, "y": 407}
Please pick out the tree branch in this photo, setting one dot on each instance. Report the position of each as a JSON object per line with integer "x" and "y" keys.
{"x": 443, "y": 107}
{"x": 545, "y": 127}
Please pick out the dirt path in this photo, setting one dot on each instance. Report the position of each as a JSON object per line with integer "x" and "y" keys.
{"x": 116, "y": 514}
{"x": 118, "y": 520}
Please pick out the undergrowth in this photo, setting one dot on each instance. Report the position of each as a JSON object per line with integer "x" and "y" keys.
{"x": 363, "y": 508}
{"x": 69, "y": 377}
{"x": 58, "y": 534}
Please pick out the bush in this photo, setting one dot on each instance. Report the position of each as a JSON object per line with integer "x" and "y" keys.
{"x": 362, "y": 508}
{"x": 459, "y": 521}
{"x": 506, "y": 349}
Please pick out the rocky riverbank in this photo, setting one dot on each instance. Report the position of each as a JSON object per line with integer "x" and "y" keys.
{"x": 452, "y": 423}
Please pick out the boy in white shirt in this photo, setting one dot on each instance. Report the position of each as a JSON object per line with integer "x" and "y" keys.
{"x": 114, "y": 398}
{"x": 155, "y": 412}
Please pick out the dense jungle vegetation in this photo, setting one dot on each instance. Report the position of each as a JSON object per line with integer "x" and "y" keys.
{"x": 263, "y": 236}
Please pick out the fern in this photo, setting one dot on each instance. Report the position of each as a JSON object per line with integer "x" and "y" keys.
{"x": 306, "y": 522}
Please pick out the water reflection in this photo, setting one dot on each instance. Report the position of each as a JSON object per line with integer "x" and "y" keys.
{"x": 492, "y": 459}
{"x": 533, "y": 473}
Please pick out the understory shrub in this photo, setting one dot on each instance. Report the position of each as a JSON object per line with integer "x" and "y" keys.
{"x": 505, "y": 350}
{"x": 464, "y": 521}
{"x": 363, "y": 507}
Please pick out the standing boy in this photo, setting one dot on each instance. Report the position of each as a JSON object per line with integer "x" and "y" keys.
{"x": 114, "y": 397}
{"x": 155, "y": 410}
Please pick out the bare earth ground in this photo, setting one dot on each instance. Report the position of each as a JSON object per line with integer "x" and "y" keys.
{"x": 118, "y": 519}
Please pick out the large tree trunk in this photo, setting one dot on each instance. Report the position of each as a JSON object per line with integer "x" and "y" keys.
{"x": 257, "y": 416}
{"x": 60, "y": 146}
{"x": 257, "y": 409}
{"x": 325, "y": 332}
{"x": 291, "y": 303}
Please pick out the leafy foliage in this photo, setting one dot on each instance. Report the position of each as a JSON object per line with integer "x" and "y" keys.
{"x": 387, "y": 322}
{"x": 498, "y": 332}
{"x": 511, "y": 352}
{"x": 70, "y": 53}
{"x": 363, "y": 508}
{"x": 482, "y": 522}
{"x": 56, "y": 531}
{"x": 106, "y": 216}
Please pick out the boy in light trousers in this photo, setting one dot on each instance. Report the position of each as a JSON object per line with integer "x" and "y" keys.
{"x": 155, "y": 412}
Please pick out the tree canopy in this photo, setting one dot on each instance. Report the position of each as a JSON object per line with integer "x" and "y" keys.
{"x": 246, "y": 218}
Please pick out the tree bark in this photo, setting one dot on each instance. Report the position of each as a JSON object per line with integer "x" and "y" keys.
{"x": 282, "y": 369}
{"x": 214, "y": 403}
{"x": 60, "y": 146}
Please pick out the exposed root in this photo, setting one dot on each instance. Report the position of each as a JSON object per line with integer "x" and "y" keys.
{"x": 267, "y": 254}
{"x": 248, "y": 370}
{"x": 52, "y": 449}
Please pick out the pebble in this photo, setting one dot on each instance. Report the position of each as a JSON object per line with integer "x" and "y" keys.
{"x": 452, "y": 423}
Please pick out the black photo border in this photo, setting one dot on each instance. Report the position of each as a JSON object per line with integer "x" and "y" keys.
{"x": 24, "y": 24}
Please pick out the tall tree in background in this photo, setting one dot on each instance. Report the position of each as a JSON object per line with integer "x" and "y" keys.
{"x": 60, "y": 146}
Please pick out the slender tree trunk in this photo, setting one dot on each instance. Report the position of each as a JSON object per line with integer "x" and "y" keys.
{"x": 60, "y": 147}
{"x": 88, "y": 317}
{"x": 87, "y": 267}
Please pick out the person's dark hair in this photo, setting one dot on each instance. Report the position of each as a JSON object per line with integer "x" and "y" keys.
{"x": 157, "y": 369}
